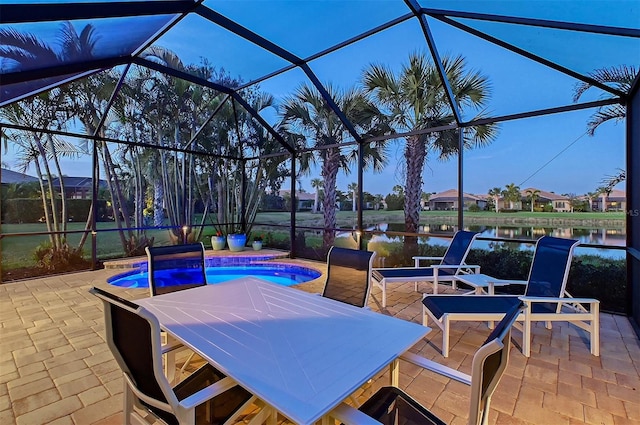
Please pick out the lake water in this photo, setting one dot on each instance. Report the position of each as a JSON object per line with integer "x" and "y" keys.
{"x": 601, "y": 236}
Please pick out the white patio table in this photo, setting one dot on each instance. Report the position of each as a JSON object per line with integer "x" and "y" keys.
{"x": 300, "y": 353}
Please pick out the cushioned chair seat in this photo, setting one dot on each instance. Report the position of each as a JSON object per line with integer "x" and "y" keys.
{"x": 456, "y": 304}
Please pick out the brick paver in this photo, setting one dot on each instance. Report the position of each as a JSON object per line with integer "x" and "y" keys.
{"x": 55, "y": 367}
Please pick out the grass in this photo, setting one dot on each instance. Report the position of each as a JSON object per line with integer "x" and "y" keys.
{"x": 18, "y": 251}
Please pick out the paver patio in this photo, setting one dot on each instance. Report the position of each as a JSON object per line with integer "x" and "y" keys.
{"x": 55, "y": 367}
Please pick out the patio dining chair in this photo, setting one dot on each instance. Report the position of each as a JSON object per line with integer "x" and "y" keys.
{"x": 391, "y": 405}
{"x": 133, "y": 336}
{"x": 175, "y": 267}
{"x": 451, "y": 264}
{"x": 545, "y": 298}
{"x": 349, "y": 275}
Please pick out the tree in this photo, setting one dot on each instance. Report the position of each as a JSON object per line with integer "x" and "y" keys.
{"x": 495, "y": 194}
{"x": 306, "y": 115}
{"x": 353, "y": 188}
{"x": 621, "y": 78}
{"x": 532, "y": 196}
{"x": 511, "y": 194}
{"x": 590, "y": 197}
{"x": 316, "y": 184}
{"x": 415, "y": 99}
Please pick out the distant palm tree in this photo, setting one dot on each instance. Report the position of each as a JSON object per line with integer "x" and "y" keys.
{"x": 590, "y": 197}
{"x": 495, "y": 194}
{"x": 353, "y": 188}
{"x": 415, "y": 99}
{"x": 532, "y": 196}
{"x": 317, "y": 185}
{"x": 511, "y": 193}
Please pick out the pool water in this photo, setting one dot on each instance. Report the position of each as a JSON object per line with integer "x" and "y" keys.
{"x": 282, "y": 274}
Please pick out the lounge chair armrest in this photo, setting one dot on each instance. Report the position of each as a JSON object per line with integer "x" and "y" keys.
{"x": 436, "y": 367}
{"x": 455, "y": 266}
{"x": 562, "y": 300}
{"x": 351, "y": 416}
{"x": 208, "y": 393}
{"x": 419, "y": 258}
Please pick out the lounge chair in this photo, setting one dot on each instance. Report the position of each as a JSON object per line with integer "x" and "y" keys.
{"x": 133, "y": 336}
{"x": 451, "y": 264}
{"x": 349, "y": 275}
{"x": 545, "y": 299}
{"x": 175, "y": 267}
{"x": 391, "y": 405}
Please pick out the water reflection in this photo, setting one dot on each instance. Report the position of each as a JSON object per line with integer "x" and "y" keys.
{"x": 599, "y": 236}
{"x": 596, "y": 236}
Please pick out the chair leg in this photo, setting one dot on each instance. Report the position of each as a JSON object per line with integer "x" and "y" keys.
{"x": 445, "y": 337}
{"x": 526, "y": 332}
{"x": 128, "y": 399}
{"x": 595, "y": 329}
{"x": 384, "y": 294}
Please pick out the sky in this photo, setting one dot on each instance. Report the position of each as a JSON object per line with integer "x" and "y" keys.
{"x": 551, "y": 153}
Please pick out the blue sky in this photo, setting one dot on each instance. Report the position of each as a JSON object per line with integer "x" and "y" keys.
{"x": 552, "y": 153}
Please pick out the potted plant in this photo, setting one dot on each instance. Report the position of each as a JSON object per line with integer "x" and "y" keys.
{"x": 257, "y": 243}
{"x": 218, "y": 241}
{"x": 236, "y": 241}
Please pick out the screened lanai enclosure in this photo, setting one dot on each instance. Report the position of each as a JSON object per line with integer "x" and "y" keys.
{"x": 383, "y": 125}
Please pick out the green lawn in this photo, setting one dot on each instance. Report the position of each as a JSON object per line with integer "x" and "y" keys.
{"x": 18, "y": 251}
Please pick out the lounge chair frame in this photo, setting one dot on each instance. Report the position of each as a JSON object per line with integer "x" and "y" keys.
{"x": 448, "y": 262}
{"x": 567, "y": 309}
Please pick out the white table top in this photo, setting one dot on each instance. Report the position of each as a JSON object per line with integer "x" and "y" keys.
{"x": 484, "y": 280}
{"x": 300, "y": 353}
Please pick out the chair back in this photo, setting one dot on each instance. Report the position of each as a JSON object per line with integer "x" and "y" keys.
{"x": 489, "y": 364}
{"x": 175, "y": 267}
{"x": 133, "y": 336}
{"x": 349, "y": 275}
{"x": 550, "y": 267}
{"x": 457, "y": 251}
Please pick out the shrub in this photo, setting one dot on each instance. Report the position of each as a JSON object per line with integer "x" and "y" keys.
{"x": 58, "y": 260}
{"x": 474, "y": 208}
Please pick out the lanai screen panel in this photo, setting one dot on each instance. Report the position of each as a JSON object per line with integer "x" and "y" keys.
{"x": 30, "y": 51}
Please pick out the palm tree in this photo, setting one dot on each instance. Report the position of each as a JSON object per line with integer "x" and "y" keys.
{"x": 415, "y": 100}
{"x": 532, "y": 196}
{"x": 621, "y": 78}
{"x": 317, "y": 185}
{"x": 353, "y": 188}
{"x": 495, "y": 194}
{"x": 511, "y": 193}
{"x": 590, "y": 197}
{"x": 306, "y": 115}
{"x": 604, "y": 193}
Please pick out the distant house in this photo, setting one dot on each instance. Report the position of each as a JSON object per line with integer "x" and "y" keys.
{"x": 77, "y": 187}
{"x": 615, "y": 201}
{"x": 305, "y": 200}
{"x": 559, "y": 203}
{"x": 13, "y": 177}
{"x": 448, "y": 201}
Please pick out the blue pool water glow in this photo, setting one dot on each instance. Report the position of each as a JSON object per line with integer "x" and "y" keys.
{"x": 282, "y": 274}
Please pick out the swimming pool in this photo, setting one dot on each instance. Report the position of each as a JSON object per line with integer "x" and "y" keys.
{"x": 282, "y": 274}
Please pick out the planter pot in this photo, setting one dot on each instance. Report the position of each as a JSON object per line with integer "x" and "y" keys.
{"x": 236, "y": 242}
{"x": 218, "y": 242}
{"x": 257, "y": 245}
